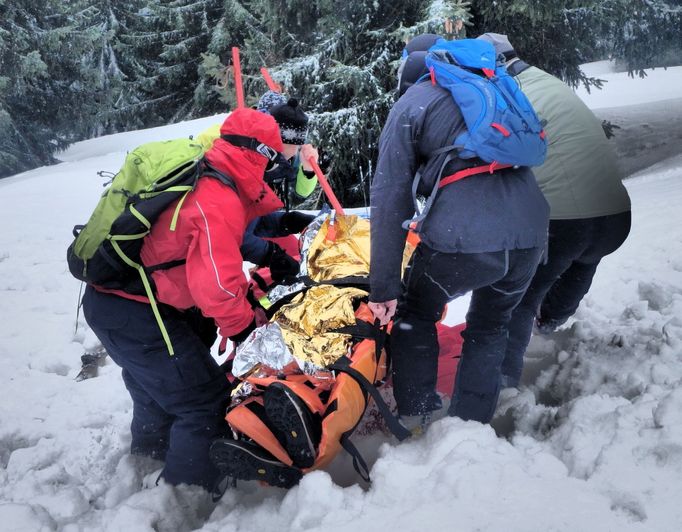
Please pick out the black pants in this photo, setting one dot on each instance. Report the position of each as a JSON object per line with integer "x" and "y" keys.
{"x": 498, "y": 280}
{"x": 179, "y": 401}
{"x": 575, "y": 249}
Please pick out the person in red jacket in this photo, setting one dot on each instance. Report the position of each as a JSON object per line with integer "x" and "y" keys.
{"x": 179, "y": 401}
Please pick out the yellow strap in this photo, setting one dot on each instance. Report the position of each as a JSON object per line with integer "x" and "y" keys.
{"x": 183, "y": 188}
{"x": 265, "y": 302}
{"x": 137, "y": 214}
{"x": 150, "y": 294}
{"x": 127, "y": 237}
{"x": 174, "y": 220}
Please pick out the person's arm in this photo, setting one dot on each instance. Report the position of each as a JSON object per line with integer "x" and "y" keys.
{"x": 214, "y": 267}
{"x": 266, "y": 253}
{"x": 391, "y": 202}
{"x": 306, "y": 180}
{"x": 254, "y": 248}
{"x": 281, "y": 224}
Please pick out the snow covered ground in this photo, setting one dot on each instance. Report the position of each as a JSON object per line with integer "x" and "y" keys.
{"x": 647, "y": 112}
{"x": 621, "y": 89}
{"x": 592, "y": 440}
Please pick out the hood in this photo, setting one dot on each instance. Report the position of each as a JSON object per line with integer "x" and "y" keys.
{"x": 501, "y": 44}
{"x": 246, "y": 167}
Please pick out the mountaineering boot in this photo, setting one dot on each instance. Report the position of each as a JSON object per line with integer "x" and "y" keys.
{"x": 416, "y": 424}
{"x": 288, "y": 414}
{"x": 91, "y": 360}
{"x": 244, "y": 460}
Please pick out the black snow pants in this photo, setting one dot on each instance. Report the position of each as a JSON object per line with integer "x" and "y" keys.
{"x": 575, "y": 249}
{"x": 498, "y": 281}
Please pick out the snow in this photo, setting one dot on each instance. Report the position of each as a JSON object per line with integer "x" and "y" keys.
{"x": 123, "y": 142}
{"x": 591, "y": 441}
{"x": 621, "y": 89}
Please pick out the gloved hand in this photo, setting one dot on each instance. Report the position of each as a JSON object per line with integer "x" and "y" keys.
{"x": 282, "y": 266}
{"x": 294, "y": 222}
{"x": 259, "y": 318}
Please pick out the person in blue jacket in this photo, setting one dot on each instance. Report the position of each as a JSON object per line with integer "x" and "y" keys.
{"x": 484, "y": 234}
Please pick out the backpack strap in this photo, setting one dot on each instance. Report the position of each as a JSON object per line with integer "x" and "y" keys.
{"x": 203, "y": 168}
{"x": 421, "y": 214}
{"x": 252, "y": 144}
{"x": 359, "y": 463}
{"x": 342, "y": 365}
{"x": 207, "y": 169}
{"x": 164, "y": 265}
{"x": 148, "y": 289}
{"x": 441, "y": 181}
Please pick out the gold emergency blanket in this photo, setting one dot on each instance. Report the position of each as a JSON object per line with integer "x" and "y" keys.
{"x": 301, "y": 339}
{"x": 347, "y": 254}
{"x": 307, "y": 320}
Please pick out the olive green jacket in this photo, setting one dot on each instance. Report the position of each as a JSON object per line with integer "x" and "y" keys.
{"x": 580, "y": 177}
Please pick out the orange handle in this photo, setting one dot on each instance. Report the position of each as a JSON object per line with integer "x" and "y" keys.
{"x": 270, "y": 82}
{"x": 238, "y": 87}
{"x": 325, "y": 186}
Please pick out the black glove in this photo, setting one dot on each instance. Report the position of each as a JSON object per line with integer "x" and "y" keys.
{"x": 282, "y": 266}
{"x": 294, "y": 222}
{"x": 259, "y": 318}
{"x": 244, "y": 333}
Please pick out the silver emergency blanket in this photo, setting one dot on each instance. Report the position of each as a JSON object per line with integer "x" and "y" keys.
{"x": 308, "y": 236}
{"x": 282, "y": 290}
{"x": 265, "y": 345}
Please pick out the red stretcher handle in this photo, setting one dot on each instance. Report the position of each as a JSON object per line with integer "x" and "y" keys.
{"x": 325, "y": 186}
{"x": 238, "y": 86}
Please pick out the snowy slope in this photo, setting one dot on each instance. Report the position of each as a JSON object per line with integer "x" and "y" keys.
{"x": 621, "y": 89}
{"x": 592, "y": 441}
{"x": 647, "y": 112}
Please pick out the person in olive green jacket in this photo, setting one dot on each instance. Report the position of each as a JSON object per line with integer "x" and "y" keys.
{"x": 589, "y": 206}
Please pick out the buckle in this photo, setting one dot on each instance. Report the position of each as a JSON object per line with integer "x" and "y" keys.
{"x": 267, "y": 151}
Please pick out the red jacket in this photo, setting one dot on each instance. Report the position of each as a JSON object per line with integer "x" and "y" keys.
{"x": 210, "y": 227}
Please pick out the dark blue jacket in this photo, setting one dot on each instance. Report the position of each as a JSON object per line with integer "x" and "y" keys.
{"x": 481, "y": 213}
{"x": 256, "y": 250}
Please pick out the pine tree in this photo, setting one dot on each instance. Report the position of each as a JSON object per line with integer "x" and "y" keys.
{"x": 559, "y": 36}
{"x": 71, "y": 70}
{"x": 645, "y": 33}
{"x": 237, "y": 26}
{"x": 340, "y": 60}
{"x": 108, "y": 64}
{"x": 42, "y": 88}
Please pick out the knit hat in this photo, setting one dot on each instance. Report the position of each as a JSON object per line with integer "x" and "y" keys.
{"x": 269, "y": 100}
{"x": 420, "y": 43}
{"x": 293, "y": 122}
{"x": 411, "y": 69}
{"x": 501, "y": 44}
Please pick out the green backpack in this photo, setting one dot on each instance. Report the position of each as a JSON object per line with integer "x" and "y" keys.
{"x": 106, "y": 250}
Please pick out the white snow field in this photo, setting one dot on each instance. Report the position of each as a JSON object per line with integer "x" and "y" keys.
{"x": 592, "y": 441}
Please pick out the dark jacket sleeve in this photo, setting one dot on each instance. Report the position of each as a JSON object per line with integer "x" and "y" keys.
{"x": 254, "y": 249}
{"x": 391, "y": 200}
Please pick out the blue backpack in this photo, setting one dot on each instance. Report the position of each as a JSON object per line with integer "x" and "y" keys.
{"x": 501, "y": 124}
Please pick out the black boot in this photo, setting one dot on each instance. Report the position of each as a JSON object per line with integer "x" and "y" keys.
{"x": 299, "y": 429}
{"x": 245, "y": 460}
